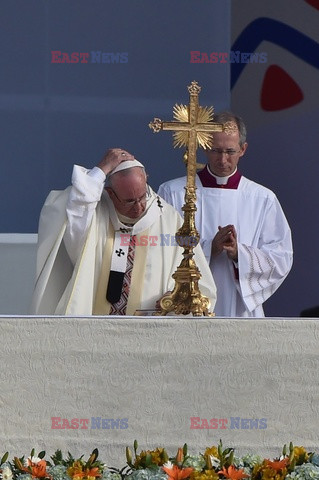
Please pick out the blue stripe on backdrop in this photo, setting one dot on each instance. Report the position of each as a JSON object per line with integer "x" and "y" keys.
{"x": 285, "y": 36}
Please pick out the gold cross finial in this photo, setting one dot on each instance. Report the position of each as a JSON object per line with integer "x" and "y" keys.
{"x": 192, "y": 126}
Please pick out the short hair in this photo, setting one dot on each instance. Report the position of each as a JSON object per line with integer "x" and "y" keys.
{"x": 224, "y": 117}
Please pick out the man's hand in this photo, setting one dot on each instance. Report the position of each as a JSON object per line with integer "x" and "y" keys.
{"x": 112, "y": 158}
{"x": 225, "y": 240}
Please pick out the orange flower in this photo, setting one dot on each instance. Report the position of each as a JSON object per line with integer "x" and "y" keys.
{"x": 232, "y": 473}
{"x": 92, "y": 473}
{"x": 37, "y": 469}
{"x": 76, "y": 471}
{"x": 176, "y": 473}
{"x": 278, "y": 464}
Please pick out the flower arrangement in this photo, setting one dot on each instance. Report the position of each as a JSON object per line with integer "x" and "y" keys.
{"x": 215, "y": 463}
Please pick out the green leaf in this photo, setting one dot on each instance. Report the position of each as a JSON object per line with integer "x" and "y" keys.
{"x": 227, "y": 451}
{"x": 165, "y": 457}
{"x": 18, "y": 463}
{"x": 135, "y": 447}
{"x": 4, "y": 458}
{"x": 148, "y": 460}
{"x": 93, "y": 457}
{"x": 128, "y": 456}
{"x": 96, "y": 453}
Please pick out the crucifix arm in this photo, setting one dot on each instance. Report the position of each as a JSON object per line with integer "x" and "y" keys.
{"x": 158, "y": 125}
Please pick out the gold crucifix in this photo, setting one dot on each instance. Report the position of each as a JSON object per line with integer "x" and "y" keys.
{"x": 193, "y": 127}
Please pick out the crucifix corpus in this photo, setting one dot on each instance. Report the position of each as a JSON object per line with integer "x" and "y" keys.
{"x": 193, "y": 127}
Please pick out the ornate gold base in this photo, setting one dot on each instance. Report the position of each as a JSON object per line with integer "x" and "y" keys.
{"x": 193, "y": 126}
{"x": 186, "y": 297}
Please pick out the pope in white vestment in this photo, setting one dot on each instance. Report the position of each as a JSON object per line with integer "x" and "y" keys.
{"x": 82, "y": 237}
{"x": 251, "y": 220}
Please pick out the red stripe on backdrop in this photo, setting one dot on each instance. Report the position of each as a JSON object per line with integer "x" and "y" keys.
{"x": 279, "y": 90}
{"x": 313, "y": 3}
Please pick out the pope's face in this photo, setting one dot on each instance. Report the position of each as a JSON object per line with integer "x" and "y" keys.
{"x": 129, "y": 195}
{"x": 225, "y": 154}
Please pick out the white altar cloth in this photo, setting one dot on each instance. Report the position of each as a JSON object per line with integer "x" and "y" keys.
{"x": 157, "y": 372}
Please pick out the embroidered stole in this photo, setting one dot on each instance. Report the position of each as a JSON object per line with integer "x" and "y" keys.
{"x": 123, "y": 264}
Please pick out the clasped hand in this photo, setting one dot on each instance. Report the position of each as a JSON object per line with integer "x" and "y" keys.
{"x": 225, "y": 240}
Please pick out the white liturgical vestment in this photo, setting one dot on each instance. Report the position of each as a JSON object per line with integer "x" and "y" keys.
{"x": 77, "y": 241}
{"x": 263, "y": 235}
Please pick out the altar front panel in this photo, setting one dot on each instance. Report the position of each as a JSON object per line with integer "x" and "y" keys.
{"x": 152, "y": 379}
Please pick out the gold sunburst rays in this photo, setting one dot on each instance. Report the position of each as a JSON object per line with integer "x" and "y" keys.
{"x": 181, "y": 114}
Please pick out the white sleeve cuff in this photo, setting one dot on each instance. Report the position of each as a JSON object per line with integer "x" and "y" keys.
{"x": 97, "y": 173}
{"x": 88, "y": 184}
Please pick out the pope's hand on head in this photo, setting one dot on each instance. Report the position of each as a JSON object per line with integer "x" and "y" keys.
{"x": 112, "y": 158}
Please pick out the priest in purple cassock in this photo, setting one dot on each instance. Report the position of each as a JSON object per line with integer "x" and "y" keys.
{"x": 244, "y": 233}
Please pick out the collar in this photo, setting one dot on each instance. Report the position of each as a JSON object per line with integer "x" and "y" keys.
{"x": 124, "y": 232}
{"x": 221, "y": 180}
{"x": 208, "y": 179}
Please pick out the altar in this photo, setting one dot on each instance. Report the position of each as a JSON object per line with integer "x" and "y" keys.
{"x": 79, "y": 383}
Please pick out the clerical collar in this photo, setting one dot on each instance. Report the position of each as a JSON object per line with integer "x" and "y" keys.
{"x": 221, "y": 180}
{"x": 127, "y": 220}
{"x": 208, "y": 179}
{"x": 131, "y": 221}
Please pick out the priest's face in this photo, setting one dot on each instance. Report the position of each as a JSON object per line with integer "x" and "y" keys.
{"x": 129, "y": 192}
{"x": 225, "y": 154}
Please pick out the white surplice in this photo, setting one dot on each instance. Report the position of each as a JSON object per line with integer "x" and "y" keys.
{"x": 70, "y": 283}
{"x": 264, "y": 242}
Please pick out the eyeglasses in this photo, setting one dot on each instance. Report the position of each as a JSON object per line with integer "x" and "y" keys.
{"x": 219, "y": 151}
{"x": 131, "y": 203}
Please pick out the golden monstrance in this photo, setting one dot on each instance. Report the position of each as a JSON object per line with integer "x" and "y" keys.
{"x": 193, "y": 127}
